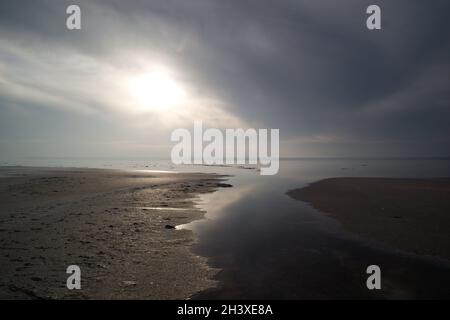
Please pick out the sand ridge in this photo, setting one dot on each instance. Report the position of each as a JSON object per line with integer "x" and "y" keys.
{"x": 409, "y": 214}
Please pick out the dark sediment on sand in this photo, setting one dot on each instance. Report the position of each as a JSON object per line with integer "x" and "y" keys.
{"x": 409, "y": 214}
{"x": 116, "y": 226}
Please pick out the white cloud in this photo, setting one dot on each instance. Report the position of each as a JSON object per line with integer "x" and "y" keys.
{"x": 74, "y": 82}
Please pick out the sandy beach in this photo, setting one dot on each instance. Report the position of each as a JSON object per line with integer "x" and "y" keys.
{"x": 408, "y": 214}
{"x": 116, "y": 225}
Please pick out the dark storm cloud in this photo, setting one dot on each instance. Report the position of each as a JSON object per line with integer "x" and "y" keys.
{"x": 310, "y": 68}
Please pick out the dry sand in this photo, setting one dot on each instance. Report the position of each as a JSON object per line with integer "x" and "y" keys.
{"x": 409, "y": 214}
{"x": 113, "y": 224}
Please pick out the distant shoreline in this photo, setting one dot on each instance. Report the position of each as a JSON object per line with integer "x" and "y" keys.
{"x": 409, "y": 214}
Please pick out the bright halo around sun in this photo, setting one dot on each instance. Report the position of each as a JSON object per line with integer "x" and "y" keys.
{"x": 156, "y": 91}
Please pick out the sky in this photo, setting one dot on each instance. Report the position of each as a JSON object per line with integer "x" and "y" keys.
{"x": 309, "y": 68}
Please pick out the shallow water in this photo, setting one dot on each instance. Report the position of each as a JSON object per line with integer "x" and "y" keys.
{"x": 271, "y": 246}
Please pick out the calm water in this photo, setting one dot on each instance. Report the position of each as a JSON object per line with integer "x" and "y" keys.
{"x": 271, "y": 246}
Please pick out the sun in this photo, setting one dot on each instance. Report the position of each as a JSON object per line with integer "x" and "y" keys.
{"x": 156, "y": 91}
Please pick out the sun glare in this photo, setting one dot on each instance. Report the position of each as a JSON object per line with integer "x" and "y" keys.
{"x": 156, "y": 91}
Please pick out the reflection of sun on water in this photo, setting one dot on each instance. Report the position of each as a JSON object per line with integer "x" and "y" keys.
{"x": 156, "y": 91}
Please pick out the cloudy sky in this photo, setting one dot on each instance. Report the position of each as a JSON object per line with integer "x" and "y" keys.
{"x": 310, "y": 68}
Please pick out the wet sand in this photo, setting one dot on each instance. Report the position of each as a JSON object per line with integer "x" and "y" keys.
{"x": 408, "y": 214}
{"x": 116, "y": 226}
